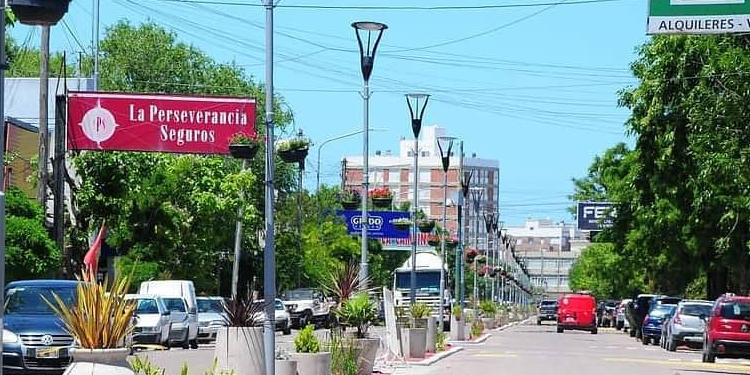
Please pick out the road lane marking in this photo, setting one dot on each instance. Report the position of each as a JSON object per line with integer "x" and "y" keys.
{"x": 699, "y": 365}
{"x": 494, "y": 355}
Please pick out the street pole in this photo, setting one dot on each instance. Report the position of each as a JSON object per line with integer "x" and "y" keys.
{"x": 413, "y": 291}
{"x": 2, "y": 176}
{"x": 238, "y": 240}
{"x": 95, "y": 34}
{"x": 43, "y": 173}
{"x": 329, "y": 140}
{"x": 459, "y": 274}
{"x": 269, "y": 260}
{"x": 445, "y": 144}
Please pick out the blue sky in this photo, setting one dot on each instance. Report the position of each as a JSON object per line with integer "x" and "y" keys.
{"x": 534, "y": 87}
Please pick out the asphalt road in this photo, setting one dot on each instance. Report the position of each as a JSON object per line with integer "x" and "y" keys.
{"x": 524, "y": 349}
{"x": 532, "y": 349}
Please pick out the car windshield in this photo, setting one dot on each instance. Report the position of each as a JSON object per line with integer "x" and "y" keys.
{"x": 209, "y": 306}
{"x": 279, "y": 305}
{"x": 33, "y": 300}
{"x": 146, "y": 306}
{"x": 549, "y": 303}
{"x": 661, "y": 311}
{"x": 298, "y": 294}
{"x": 736, "y": 310}
{"x": 175, "y": 304}
{"x": 696, "y": 310}
{"x": 426, "y": 281}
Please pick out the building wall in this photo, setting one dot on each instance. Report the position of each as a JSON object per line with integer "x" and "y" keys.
{"x": 22, "y": 146}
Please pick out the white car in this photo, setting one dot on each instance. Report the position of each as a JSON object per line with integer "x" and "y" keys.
{"x": 686, "y": 327}
{"x": 307, "y": 306}
{"x": 211, "y": 317}
{"x": 151, "y": 318}
{"x": 183, "y": 289}
{"x": 282, "y": 319}
{"x": 179, "y": 334}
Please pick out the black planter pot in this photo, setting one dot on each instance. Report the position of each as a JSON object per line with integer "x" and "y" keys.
{"x": 39, "y": 12}
{"x": 349, "y": 205}
{"x": 243, "y": 151}
{"x": 382, "y": 202}
{"x": 294, "y": 155}
{"x": 402, "y": 227}
{"x": 433, "y": 243}
{"x": 426, "y": 226}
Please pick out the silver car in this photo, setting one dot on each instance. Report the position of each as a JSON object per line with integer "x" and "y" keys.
{"x": 152, "y": 322}
{"x": 211, "y": 317}
{"x": 685, "y": 327}
{"x": 179, "y": 334}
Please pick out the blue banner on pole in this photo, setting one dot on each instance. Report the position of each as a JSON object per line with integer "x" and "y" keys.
{"x": 381, "y": 223}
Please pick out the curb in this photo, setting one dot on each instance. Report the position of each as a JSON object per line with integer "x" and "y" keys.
{"x": 437, "y": 357}
{"x": 479, "y": 340}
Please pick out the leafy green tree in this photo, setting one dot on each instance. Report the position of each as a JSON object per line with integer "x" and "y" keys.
{"x": 601, "y": 270}
{"x": 30, "y": 252}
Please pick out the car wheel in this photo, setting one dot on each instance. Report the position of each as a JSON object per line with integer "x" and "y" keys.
{"x": 671, "y": 345}
{"x": 538, "y": 322}
{"x": 185, "y": 343}
{"x": 288, "y": 328}
{"x": 194, "y": 344}
{"x": 645, "y": 340}
{"x": 305, "y": 319}
{"x": 594, "y": 331}
{"x": 708, "y": 354}
{"x": 631, "y": 332}
{"x": 559, "y": 329}
{"x": 656, "y": 341}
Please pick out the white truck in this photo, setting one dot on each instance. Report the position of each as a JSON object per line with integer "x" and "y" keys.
{"x": 428, "y": 283}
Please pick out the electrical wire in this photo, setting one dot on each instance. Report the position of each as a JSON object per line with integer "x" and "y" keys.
{"x": 387, "y": 7}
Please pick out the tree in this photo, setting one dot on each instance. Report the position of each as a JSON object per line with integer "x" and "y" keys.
{"x": 30, "y": 252}
{"x": 602, "y": 271}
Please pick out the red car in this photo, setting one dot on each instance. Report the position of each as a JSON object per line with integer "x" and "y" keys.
{"x": 727, "y": 333}
{"x": 576, "y": 312}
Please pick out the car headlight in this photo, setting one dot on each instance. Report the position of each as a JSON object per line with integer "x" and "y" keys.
{"x": 9, "y": 337}
{"x": 150, "y": 329}
{"x": 220, "y": 323}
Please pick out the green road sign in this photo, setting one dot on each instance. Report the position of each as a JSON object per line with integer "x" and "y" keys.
{"x": 698, "y": 16}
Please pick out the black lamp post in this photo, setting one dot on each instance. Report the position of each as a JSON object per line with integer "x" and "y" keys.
{"x": 39, "y": 12}
{"x": 366, "y": 32}
{"x": 445, "y": 145}
{"x": 477, "y": 194}
{"x": 417, "y": 104}
{"x": 460, "y": 276}
{"x": 490, "y": 223}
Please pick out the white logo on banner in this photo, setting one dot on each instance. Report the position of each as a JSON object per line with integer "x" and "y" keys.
{"x": 98, "y": 124}
{"x": 705, "y": 2}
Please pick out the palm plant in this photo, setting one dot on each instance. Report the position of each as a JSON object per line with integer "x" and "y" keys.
{"x": 243, "y": 312}
{"x": 359, "y": 312}
{"x": 343, "y": 282}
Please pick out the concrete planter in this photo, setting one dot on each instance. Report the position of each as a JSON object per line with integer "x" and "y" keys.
{"x": 313, "y": 363}
{"x": 414, "y": 342}
{"x": 489, "y": 323}
{"x": 286, "y": 367}
{"x": 366, "y": 349}
{"x": 431, "y": 346}
{"x": 240, "y": 349}
{"x": 458, "y": 329}
{"x": 99, "y": 362}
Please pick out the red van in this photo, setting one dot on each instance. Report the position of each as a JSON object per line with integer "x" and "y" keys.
{"x": 577, "y": 312}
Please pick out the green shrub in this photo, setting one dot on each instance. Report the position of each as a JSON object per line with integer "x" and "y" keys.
{"x": 457, "y": 311}
{"x": 440, "y": 339}
{"x": 419, "y": 310}
{"x": 306, "y": 342}
{"x": 488, "y": 308}
{"x": 358, "y": 312}
{"x": 343, "y": 356}
{"x": 477, "y": 328}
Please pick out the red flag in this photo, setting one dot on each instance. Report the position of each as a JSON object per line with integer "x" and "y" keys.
{"x": 91, "y": 260}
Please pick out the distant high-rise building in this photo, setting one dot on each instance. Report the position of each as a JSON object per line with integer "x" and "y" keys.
{"x": 396, "y": 171}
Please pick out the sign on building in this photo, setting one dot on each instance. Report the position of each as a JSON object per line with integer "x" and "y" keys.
{"x": 698, "y": 16}
{"x": 381, "y": 223}
{"x": 154, "y": 122}
{"x": 595, "y": 215}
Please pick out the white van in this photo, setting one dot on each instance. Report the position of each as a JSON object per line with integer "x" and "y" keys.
{"x": 177, "y": 288}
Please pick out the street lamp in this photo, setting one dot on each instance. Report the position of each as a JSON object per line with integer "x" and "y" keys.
{"x": 445, "y": 145}
{"x": 464, "y": 197}
{"x": 490, "y": 222}
{"x": 329, "y": 140}
{"x": 417, "y": 103}
{"x": 477, "y": 194}
{"x": 367, "y": 51}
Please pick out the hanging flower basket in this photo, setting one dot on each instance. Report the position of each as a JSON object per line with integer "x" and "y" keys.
{"x": 39, "y": 12}
{"x": 402, "y": 224}
{"x": 381, "y": 197}
{"x": 483, "y": 271}
{"x": 350, "y": 199}
{"x": 426, "y": 226}
{"x": 434, "y": 240}
{"x": 242, "y": 147}
{"x": 481, "y": 259}
{"x": 471, "y": 254}
{"x": 451, "y": 244}
{"x": 493, "y": 271}
{"x": 293, "y": 150}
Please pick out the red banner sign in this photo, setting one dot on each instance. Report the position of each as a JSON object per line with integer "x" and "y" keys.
{"x": 154, "y": 122}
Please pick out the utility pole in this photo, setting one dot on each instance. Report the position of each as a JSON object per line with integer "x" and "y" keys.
{"x": 43, "y": 128}
{"x": 58, "y": 172}
{"x": 238, "y": 241}
{"x": 95, "y": 37}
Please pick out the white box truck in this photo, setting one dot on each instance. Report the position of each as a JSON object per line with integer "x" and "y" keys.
{"x": 428, "y": 283}
{"x": 177, "y": 289}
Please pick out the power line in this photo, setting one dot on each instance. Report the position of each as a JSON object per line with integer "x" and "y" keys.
{"x": 388, "y": 7}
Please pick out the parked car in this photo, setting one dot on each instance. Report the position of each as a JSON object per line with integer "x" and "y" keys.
{"x": 152, "y": 323}
{"x": 547, "y": 310}
{"x": 307, "y": 306}
{"x": 34, "y": 340}
{"x": 607, "y": 318}
{"x": 576, "y": 312}
{"x": 282, "y": 319}
{"x": 179, "y": 319}
{"x": 621, "y": 321}
{"x": 184, "y": 290}
{"x": 686, "y": 327}
{"x": 727, "y": 333}
{"x": 636, "y": 311}
{"x": 653, "y": 321}
{"x": 211, "y": 317}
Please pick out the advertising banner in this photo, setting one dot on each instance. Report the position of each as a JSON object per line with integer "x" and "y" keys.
{"x": 381, "y": 223}
{"x": 154, "y": 122}
{"x": 698, "y": 16}
{"x": 595, "y": 215}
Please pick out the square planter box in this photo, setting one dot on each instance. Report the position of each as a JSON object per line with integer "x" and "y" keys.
{"x": 414, "y": 342}
{"x": 458, "y": 329}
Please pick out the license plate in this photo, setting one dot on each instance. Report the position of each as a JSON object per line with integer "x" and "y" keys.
{"x": 569, "y": 319}
{"x": 48, "y": 353}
